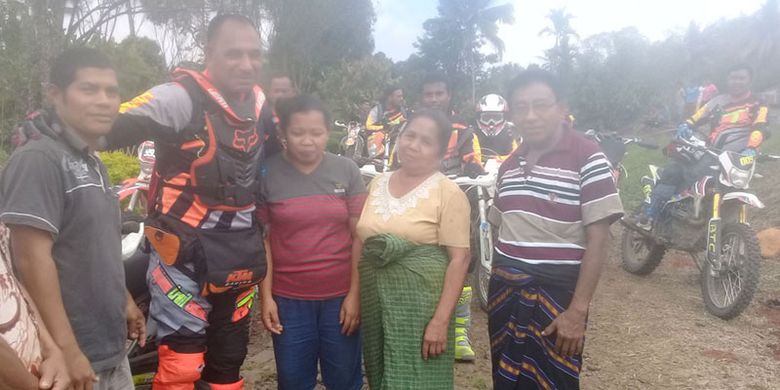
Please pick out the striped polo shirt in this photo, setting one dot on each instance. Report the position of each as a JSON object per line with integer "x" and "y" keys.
{"x": 544, "y": 212}
{"x": 308, "y": 216}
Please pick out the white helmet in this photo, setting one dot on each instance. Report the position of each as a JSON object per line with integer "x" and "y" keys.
{"x": 490, "y": 114}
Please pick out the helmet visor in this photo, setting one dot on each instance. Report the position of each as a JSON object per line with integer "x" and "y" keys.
{"x": 491, "y": 118}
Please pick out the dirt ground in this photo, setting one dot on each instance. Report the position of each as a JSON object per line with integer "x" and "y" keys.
{"x": 644, "y": 332}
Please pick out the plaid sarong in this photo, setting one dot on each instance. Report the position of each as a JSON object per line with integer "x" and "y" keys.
{"x": 521, "y": 307}
{"x": 400, "y": 287}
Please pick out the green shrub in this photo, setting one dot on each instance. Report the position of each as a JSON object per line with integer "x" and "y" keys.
{"x": 333, "y": 141}
{"x": 120, "y": 166}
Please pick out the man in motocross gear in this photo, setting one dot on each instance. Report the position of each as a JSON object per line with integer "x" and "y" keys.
{"x": 495, "y": 134}
{"x": 739, "y": 124}
{"x": 463, "y": 156}
{"x": 389, "y": 113}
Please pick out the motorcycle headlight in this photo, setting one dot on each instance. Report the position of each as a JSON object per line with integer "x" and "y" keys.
{"x": 739, "y": 179}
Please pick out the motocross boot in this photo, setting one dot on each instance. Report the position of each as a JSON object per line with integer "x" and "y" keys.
{"x": 463, "y": 350}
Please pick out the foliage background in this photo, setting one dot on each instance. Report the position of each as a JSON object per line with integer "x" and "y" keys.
{"x": 616, "y": 80}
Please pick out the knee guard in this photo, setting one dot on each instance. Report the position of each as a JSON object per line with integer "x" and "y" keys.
{"x": 176, "y": 370}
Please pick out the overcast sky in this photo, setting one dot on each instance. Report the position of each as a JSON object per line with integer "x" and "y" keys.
{"x": 399, "y": 22}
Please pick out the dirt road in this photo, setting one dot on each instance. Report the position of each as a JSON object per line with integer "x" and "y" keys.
{"x": 645, "y": 332}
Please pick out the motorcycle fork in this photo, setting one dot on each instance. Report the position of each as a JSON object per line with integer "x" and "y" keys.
{"x": 133, "y": 200}
{"x": 485, "y": 230}
{"x": 743, "y": 214}
{"x": 714, "y": 234}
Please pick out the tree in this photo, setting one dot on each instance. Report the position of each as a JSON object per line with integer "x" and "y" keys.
{"x": 345, "y": 86}
{"x": 180, "y": 27}
{"x": 453, "y": 41}
{"x": 139, "y": 64}
{"x": 309, "y": 37}
{"x": 560, "y": 58}
{"x": 497, "y": 78}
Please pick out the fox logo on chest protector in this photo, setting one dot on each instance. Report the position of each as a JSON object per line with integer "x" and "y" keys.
{"x": 245, "y": 140}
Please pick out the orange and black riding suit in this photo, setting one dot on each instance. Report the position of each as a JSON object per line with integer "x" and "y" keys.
{"x": 379, "y": 122}
{"x": 206, "y": 247}
{"x": 464, "y": 154}
{"x": 743, "y": 121}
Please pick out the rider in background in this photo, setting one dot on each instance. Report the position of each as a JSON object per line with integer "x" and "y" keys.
{"x": 281, "y": 86}
{"x": 495, "y": 134}
{"x": 388, "y": 113}
{"x": 463, "y": 156}
{"x": 739, "y": 125}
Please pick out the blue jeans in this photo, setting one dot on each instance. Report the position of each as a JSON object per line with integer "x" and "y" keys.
{"x": 312, "y": 333}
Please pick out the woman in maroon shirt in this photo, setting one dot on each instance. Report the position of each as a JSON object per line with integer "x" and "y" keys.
{"x": 310, "y": 302}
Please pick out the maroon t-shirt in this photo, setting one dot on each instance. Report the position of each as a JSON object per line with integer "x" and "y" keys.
{"x": 308, "y": 216}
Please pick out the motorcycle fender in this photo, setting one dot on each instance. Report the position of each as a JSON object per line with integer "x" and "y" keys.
{"x": 744, "y": 197}
{"x": 125, "y": 192}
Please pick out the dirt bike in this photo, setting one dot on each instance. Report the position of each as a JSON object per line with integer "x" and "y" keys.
{"x": 353, "y": 144}
{"x": 711, "y": 219}
{"x": 360, "y": 146}
{"x": 135, "y": 191}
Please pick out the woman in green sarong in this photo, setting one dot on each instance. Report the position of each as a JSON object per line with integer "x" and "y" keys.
{"x": 415, "y": 233}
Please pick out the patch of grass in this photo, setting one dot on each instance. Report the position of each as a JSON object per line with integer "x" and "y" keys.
{"x": 636, "y": 165}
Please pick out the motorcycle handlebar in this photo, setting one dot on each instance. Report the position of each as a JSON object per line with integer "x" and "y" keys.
{"x": 768, "y": 157}
{"x": 486, "y": 180}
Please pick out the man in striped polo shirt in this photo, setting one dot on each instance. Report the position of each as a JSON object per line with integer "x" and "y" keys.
{"x": 556, "y": 200}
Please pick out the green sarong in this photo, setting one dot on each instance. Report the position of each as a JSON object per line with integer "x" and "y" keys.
{"x": 400, "y": 287}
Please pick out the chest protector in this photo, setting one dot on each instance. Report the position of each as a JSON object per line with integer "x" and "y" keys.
{"x": 220, "y": 149}
{"x": 452, "y": 163}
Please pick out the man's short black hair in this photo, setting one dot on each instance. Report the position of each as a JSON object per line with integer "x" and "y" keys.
{"x": 741, "y": 66}
{"x": 532, "y": 76}
{"x": 443, "y": 125}
{"x": 65, "y": 66}
{"x": 389, "y": 91}
{"x": 298, "y": 104}
{"x": 433, "y": 78}
{"x": 216, "y": 24}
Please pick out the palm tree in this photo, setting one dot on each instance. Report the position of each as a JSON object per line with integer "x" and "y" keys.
{"x": 561, "y": 26}
{"x": 560, "y": 58}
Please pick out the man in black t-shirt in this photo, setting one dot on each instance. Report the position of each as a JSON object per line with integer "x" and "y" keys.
{"x": 56, "y": 197}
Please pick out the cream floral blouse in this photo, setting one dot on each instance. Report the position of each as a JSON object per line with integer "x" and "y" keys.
{"x": 436, "y": 212}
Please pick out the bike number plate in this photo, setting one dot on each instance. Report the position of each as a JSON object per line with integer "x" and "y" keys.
{"x": 350, "y": 141}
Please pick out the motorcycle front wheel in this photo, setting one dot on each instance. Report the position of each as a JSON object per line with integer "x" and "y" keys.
{"x": 482, "y": 283}
{"x": 728, "y": 292}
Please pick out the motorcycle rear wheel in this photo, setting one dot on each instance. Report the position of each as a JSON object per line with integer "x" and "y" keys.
{"x": 729, "y": 292}
{"x": 640, "y": 256}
